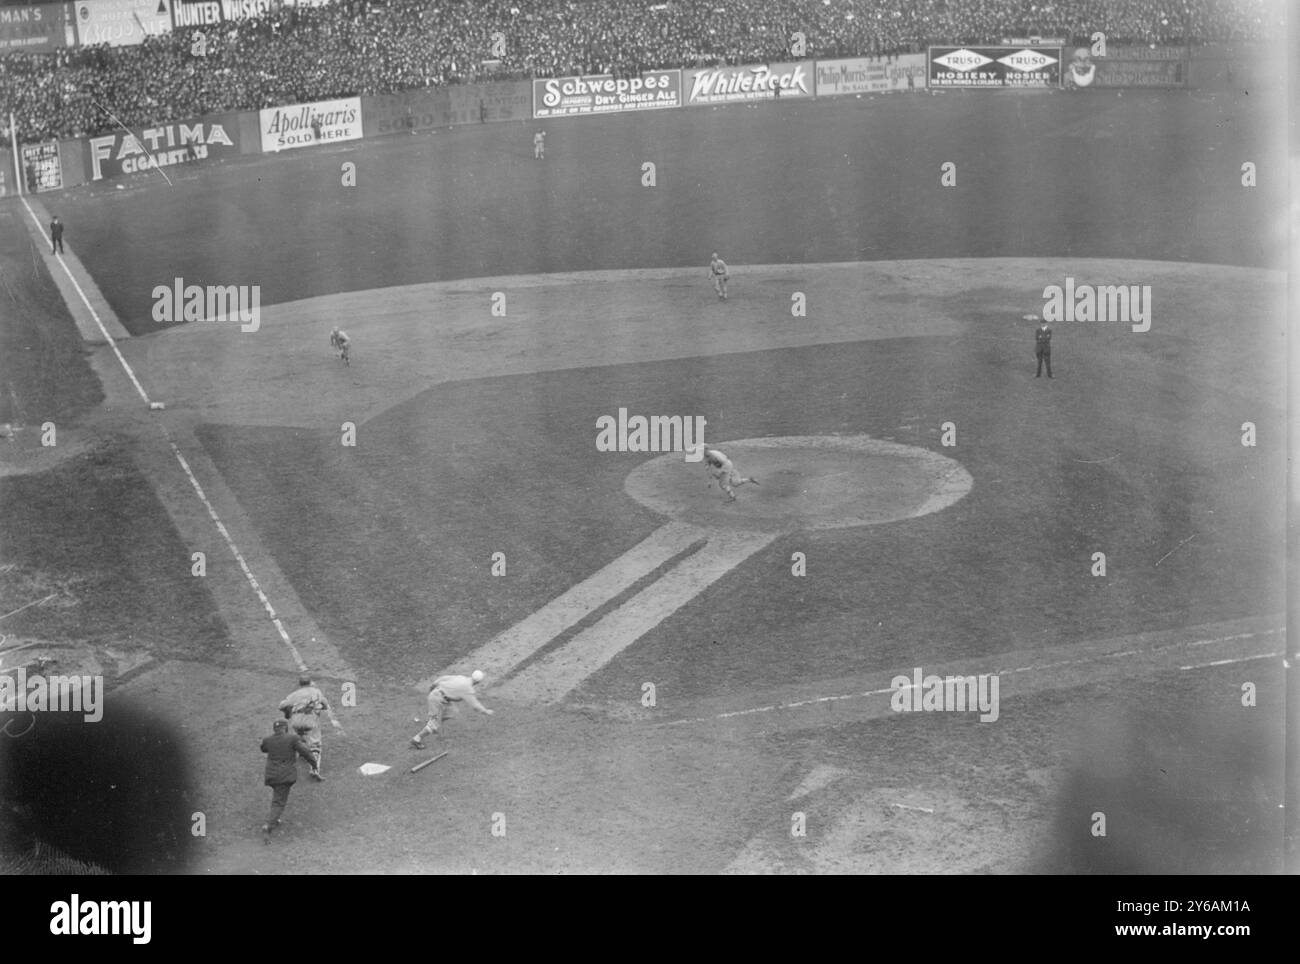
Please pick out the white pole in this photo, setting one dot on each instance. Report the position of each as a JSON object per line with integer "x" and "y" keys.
{"x": 13, "y": 140}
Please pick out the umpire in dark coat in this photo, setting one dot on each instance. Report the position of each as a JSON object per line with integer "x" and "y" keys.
{"x": 282, "y": 748}
{"x": 56, "y": 235}
{"x": 1043, "y": 348}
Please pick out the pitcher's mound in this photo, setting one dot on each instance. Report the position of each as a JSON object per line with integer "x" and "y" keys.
{"x": 805, "y": 482}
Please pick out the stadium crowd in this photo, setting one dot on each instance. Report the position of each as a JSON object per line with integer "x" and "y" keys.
{"x": 306, "y": 53}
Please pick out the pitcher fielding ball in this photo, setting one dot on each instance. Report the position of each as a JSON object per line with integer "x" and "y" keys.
{"x": 724, "y": 473}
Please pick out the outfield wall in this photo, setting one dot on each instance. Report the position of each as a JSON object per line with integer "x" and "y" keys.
{"x": 71, "y": 163}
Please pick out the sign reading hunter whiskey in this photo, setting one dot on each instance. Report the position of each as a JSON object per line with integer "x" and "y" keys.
{"x": 200, "y": 13}
{"x": 995, "y": 67}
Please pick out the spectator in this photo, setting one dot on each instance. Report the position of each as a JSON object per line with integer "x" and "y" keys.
{"x": 300, "y": 54}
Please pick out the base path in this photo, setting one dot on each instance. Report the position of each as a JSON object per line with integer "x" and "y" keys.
{"x": 805, "y": 482}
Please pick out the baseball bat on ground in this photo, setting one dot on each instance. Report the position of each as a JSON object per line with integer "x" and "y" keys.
{"x": 420, "y": 766}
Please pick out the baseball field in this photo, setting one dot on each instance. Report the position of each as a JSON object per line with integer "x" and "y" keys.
{"x": 679, "y": 684}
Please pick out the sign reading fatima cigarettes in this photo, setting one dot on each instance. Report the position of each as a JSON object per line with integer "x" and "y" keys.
{"x": 566, "y": 96}
{"x": 302, "y": 125}
{"x": 177, "y": 142}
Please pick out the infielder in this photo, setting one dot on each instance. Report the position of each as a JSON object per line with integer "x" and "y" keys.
{"x": 539, "y": 146}
{"x": 446, "y": 691}
{"x": 724, "y": 473}
{"x": 341, "y": 343}
{"x": 302, "y": 707}
{"x": 718, "y": 272}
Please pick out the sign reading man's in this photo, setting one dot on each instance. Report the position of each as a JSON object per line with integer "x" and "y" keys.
{"x": 36, "y": 28}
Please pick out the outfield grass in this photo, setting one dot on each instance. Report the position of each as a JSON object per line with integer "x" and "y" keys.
{"x": 1146, "y": 175}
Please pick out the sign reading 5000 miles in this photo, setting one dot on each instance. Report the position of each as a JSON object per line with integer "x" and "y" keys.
{"x": 995, "y": 67}
{"x": 565, "y": 96}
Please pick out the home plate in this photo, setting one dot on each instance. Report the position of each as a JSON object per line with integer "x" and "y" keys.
{"x": 372, "y": 769}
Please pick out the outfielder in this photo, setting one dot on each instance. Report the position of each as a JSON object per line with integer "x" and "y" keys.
{"x": 341, "y": 343}
{"x": 718, "y": 272}
{"x": 302, "y": 707}
{"x": 539, "y": 146}
{"x": 724, "y": 473}
{"x": 446, "y": 691}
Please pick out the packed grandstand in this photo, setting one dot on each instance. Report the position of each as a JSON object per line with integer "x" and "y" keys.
{"x": 299, "y": 54}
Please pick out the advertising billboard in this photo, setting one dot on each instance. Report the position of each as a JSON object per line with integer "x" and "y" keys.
{"x": 605, "y": 94}
{"x": 41, "y": 168}
{"x": 120, "y": 23}
{"x": 162, "y": 145}
{"x": 994, "y": 67}
{"x": 869, "y": 75}
{"x": 303, "y": 125}
{"x": 34, "y": 28}
{"x": 725, "y": 85}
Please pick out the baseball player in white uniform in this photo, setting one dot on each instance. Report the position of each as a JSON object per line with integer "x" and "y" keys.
{"x": 341, "y": 344}
{"x": 539, "y": 146}
{"x": 724, "y": 473}
{"x": 303, "y": 707}
{"x": 444, "y": 694}
{"x": 718, "y": 272}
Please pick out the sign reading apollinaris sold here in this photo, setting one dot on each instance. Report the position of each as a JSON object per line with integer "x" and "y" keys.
{"x": 995, "y": 67}
{"x": 603, "y": 94}
{"x": 724, "y": 85}
{"x": 302, "y": 125}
